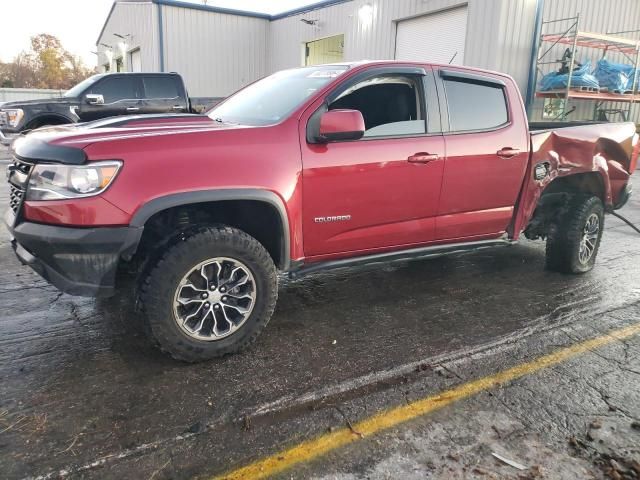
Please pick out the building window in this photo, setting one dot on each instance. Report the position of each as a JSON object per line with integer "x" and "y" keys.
{"x": 106, "y": 67}
{"x": 119, "y": 64}
{"x": 325, "y": 50}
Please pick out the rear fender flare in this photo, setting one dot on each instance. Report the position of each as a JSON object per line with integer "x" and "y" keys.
{"x": 157, "y": 205}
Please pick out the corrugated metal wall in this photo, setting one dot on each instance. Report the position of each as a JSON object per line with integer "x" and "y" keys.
{"x": 218, "y": 53}
{"x": 499, "y": 32}
{"x": 139, "y": 21}
{"x": 215, "y": 53}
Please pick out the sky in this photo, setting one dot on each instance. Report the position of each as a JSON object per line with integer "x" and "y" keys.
{"x": 77, "y": 23}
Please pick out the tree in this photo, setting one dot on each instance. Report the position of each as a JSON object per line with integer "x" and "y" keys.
{"x": 46, "y": 65}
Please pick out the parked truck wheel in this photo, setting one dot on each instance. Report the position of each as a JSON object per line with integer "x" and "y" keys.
{"x": 572, "y": 245}
{"x": 210, "y": 295}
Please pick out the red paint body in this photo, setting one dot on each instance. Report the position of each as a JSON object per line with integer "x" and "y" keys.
{"x": 465, "y": 191}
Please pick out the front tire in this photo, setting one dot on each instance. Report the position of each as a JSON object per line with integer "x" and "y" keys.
{"x": 210, "y": 295}
{"x": 573, "y": 242}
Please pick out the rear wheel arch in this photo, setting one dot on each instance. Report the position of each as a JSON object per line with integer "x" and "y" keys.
{"x": 555, "y": 197}
{"x": 588, "y": 182}
{"x": 260, "y": 213}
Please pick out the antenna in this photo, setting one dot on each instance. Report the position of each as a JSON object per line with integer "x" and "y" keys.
{"x": 454, "y": 56}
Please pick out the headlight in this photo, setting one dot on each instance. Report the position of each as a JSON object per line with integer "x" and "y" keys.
{"x": 54, "y": 182}
{"x": 14, "y": 116}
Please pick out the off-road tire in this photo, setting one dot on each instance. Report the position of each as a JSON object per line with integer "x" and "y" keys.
{"x": 159, "y": 287}
{"x": 565, "y": 236}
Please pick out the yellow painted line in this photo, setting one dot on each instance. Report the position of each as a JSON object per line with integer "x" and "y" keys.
{"x": 324, "y": 444}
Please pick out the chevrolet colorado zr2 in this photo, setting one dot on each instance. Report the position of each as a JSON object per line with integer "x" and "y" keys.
{"x": 307, "y": 169}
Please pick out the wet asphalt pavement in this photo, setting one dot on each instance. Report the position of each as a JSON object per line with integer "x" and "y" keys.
{"x": 84, "y": 395}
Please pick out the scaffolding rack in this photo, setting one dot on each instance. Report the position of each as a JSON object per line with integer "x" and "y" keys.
{"x": 573, "y": 37}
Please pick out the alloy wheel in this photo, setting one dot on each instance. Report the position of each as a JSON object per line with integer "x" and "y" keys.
{"x": 214, "y": 299}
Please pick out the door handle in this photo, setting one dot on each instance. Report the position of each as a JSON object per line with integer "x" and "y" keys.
{"x": 508, "y": 152}
{"x": 177, "y": 107}
{"x": 133, "y": 109}
{"x": 422, "y": 157}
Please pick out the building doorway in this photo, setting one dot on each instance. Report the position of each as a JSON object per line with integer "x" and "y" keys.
{"x": 324, "y": 50}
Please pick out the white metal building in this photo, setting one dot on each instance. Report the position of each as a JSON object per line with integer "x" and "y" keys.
{"x": 218, "y": 50}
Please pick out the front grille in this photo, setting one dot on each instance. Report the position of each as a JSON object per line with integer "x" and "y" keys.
{"x": 4, "y": 119}
{"x": 18, "y": 177}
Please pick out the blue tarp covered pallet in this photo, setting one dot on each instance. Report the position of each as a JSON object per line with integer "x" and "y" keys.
{"x": 580, "y": 78}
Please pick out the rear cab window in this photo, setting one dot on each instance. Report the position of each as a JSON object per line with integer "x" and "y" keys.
{"x": 161, "y": 87}
{"x": 475, "y": 103}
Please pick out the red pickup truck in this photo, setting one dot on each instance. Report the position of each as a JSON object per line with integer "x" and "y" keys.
{"x": 307, "y": 169}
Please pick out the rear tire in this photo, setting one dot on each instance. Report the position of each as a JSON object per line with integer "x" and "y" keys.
{"x": 188, "y": 316}
{"x": 574, "y": 240}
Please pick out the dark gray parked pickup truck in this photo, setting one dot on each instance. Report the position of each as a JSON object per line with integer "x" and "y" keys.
{"x": 101, "y": 96}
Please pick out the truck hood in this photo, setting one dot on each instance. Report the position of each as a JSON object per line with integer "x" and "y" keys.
{"x": 65, "y": 143}
{"x": 40, "y": 101}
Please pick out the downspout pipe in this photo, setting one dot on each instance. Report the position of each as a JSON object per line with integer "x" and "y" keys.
{"x": 160, "y": 37}
{"x": 533, "y": 61}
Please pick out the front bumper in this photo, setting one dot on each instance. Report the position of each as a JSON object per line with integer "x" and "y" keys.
{"x": 78, "y": 261}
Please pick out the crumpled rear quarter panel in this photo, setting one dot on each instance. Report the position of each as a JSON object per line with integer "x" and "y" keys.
{"x": 608, "y": 149}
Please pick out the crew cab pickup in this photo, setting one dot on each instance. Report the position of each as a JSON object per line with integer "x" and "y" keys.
{"x": 307, "y": 169}
{"x": 100, "y": 96}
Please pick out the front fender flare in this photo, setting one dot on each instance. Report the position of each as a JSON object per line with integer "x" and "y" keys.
{"x": 146, "y": 211}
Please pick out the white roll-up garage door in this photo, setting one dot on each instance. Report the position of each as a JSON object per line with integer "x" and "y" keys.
{"x": 435, "y": 38}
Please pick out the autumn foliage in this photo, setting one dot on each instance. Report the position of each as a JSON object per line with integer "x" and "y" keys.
{"x": 46, "y": 65}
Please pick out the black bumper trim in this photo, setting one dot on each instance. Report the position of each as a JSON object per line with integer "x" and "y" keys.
{"x": 624, "y": 197}
{"x": 78, "y": 261}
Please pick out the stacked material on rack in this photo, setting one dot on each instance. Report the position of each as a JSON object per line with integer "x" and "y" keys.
{"x": 616, "y": 77}
{"x": 579, "y": 78}
{"x": 632, "y": 77}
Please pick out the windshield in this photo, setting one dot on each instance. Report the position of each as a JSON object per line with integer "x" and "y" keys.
{"x": 271, "y": 99}
{"x": 82, "y": 86}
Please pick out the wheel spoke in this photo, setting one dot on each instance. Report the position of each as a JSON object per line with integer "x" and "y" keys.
{"x": 238, "y": 308}
{"x": 226, "y": 318}
{"x": 192, "y": 315}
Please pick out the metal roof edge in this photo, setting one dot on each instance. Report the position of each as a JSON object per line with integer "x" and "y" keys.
{"x": 104, "y": 25}
{"x": 229, "y": 11}
{"x": 246, "y": 13}
{"x": 308, "y": 8}
{"x": 210, "y": 8}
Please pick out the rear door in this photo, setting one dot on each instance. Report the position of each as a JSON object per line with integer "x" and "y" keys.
{"x": 122, "y": 95}
{"x": 487, "y": 147}
{"x": 163, "y": 94}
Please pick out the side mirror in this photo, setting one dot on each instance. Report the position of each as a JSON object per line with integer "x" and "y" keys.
{"x": 94, "y": 99}
{"x": 341, "y": 125}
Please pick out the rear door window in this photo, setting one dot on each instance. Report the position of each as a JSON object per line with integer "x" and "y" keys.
{"x": 475, "y": 106}
{"x": 117, "y": 88}
{"x": 160, "y": 87}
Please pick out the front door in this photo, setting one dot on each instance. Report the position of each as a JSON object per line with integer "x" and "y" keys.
{"x": 380, "y": 191}
{"x": 122, "y": 95}
{"x": 487, "y": 154}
